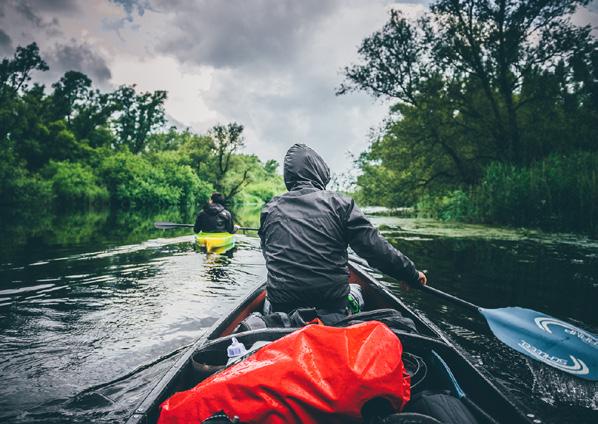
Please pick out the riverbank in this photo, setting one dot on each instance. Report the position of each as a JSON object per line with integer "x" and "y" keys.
{"x": 559, "y": 193}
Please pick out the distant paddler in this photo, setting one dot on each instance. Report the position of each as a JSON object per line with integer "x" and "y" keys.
{"x": 214, "y": 225}
{"x": 215, "y": 218}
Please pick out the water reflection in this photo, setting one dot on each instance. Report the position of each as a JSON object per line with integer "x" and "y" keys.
{"x": 95, "y": 307}
{"x": 86, "y": 298}
{"x": 544, "y": 272}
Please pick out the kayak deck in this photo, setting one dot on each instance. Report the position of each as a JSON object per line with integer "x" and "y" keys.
{"x": 215, "y": 242}
{"x": 487, "y": 400}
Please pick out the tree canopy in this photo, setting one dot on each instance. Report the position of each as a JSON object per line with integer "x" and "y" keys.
{"x": 474, "y": 83}
{"x": 77, "y": 145}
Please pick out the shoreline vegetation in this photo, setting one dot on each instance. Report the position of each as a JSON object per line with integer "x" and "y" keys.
{"x": 77, "y": 147}
{"x": 493, "y": 117}
{"x": 559, "y": 193}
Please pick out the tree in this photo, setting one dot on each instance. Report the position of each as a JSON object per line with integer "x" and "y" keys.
{"x": 475, "y": 82}
{"x": 271, "y": 167}
{"x": 501, "y": 44}
{"x": 481, "y": 52}
{"x": 73, "y": 87}
{"x": 199, "y": 150}
{"x": 91, "y": 119}
{"x": 15, "y": 73}
{"x": 137, "y": 115}
{"x": 228, "y": 139}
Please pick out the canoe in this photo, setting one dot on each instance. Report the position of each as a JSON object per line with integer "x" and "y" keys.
{"x": 215, "y": 242}
{"x": 487, "y": 400}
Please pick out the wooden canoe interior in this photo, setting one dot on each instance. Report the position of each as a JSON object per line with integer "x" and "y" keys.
{"x": 256, "y": 304}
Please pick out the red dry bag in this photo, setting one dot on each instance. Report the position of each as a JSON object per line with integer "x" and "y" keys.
{"x": 316, "y": 374}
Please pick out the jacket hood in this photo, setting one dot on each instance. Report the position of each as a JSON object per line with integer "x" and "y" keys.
{"x": 213, "y": 208}
{"x": 304, "y": 167}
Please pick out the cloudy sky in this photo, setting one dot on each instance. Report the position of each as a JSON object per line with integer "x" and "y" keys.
{"x": 272, "y": 65}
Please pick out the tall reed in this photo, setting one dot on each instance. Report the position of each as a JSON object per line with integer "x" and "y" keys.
{"x": 557, "y": 193}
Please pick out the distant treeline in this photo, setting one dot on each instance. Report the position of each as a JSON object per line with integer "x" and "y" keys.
{"x": 494, "y": 116}
{"x": 77, "y": 146}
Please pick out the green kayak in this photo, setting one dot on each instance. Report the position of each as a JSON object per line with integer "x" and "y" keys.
{"x": 215, "y": 242}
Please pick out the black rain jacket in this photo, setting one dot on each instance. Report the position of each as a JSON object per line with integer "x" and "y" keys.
{"x": 305, "y": 233}
{"x": 214, "y": 218}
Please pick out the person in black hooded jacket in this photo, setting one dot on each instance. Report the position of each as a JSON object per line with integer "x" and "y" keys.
{"x": 304, "y": 238}
{"x": 214, "y": 218}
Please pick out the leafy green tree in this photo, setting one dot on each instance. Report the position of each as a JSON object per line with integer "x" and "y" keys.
{"x": 91, "y": 121}
{"x": 137, "y": 115}
{"x": 72, "y": 88}
{"x": 228, "y": 140}
{"x": 172, "y": 139}
{"x": 475, "y": 82}
{"x": 271, "y": 167}
{"x": 198, "y": 151}
{"x": 500, "y": 44}
{"x": 15, "y": 73}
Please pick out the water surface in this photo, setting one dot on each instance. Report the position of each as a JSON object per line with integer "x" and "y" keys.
{"x": 95, "y": 307}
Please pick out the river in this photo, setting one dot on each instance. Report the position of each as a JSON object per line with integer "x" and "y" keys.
{"x": 94, "y": 307}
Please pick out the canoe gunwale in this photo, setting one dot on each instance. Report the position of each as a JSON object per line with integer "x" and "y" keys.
{"x": 157, "y": 394}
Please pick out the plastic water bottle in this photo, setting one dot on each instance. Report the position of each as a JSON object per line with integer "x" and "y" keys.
{"x": 355, "y": 298}
{"x": 235, "y": 350}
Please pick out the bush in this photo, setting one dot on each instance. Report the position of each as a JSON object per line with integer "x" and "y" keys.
{"x": 19, "y": 186}
{"x": 136, "y": 181}
{"x": 263, "y": 191}
{"x": 175, "y": 174}
{"x": 75, "y": 184}
{"x": 454, "y": 206}
{"x": 557, "y": 193}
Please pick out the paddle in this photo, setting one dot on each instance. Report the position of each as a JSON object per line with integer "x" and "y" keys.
{"x": 539, "y": 336}
{"x": 171, "y": 225}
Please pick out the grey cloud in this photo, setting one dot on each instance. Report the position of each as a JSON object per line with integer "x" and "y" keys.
{"x": 25, "y": 9}
{"x": 45, "y": 20}
{"x": 6, "y": 46}
{"x": 235, "y": 33}
{"x": 132, "y": 6}
{"x": 308, "y": 113}
{"x": 59, "y": 6}
{"x": 78, "y": 57}
{"x": 277, "y": 64}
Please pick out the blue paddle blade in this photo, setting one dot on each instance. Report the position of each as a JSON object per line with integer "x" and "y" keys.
{"x": 546, "y": 339}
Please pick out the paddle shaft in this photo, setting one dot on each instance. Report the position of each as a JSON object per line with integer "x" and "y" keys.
{"x": 171, "y": 225}
{"x": 450, "y": 297}
{"x": 428, "y": 289}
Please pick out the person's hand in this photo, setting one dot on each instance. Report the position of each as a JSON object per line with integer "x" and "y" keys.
{"x": 421, "y": 279}
{"x": 236, "y": 227}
